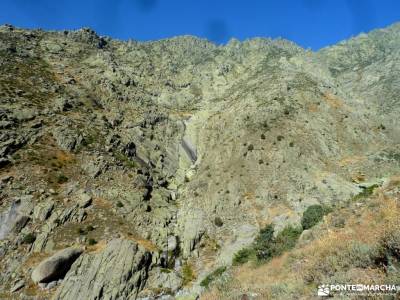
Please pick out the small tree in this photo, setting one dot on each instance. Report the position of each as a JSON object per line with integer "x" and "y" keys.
{"x": 313, "y": 215}
{"x": 92, "y": 242}
{"x": 262, "y": 244}
{"x": 29, "y": 238}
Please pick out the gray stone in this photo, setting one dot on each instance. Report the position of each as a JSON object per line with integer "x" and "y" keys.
{"x": 117, "y": 272}
{"x": 6, "y": 124}
{"x": 65, "y": 104}
{"x": 85, "y": 200}
{"x": 25, "y": 114}
{"x": 172, "y": 243}
{"x": 50, "y": 285}
{"x": 189, "y": 149}
{"x": 16, "y": 217}
{"x": 67, "y": 138}
{"x": 68, "y": 214}
{"x": 193, "y": 230}
{"x": 56, "y": 266}
{"x": 17, "y": 286}
{"x": 42, "y": 285}
{"x": 26, "y": 207}
{"x": 164, "y": 279}
{"x": 43, "y": 210}
{"x": 244, "y": 236}
{"x": 40, "y": 242}
{"x": 20, "y": 223}
{"x": 95, "y": 167}
{"x": 6, "y": 179}
{"x": 305, "y": 237}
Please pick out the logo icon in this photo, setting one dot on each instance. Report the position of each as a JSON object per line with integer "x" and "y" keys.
{"x": 323, "y": 290}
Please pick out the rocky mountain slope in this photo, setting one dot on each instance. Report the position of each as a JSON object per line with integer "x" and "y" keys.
{"x": 135, "y": 170}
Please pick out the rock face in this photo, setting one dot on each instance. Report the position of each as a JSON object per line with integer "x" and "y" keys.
{"x": 43, "y": 211}
{"x": 84, "y": 200}
{"x": 182, "y": 146}
{"x": 117, "y": 272}
{"x": 163, "y": 279}
{"x": 56, "y": 266}
{"x": 15, "y": 219}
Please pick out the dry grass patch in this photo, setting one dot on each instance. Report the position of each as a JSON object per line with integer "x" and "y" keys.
{"x": 98, "y": 247}
{"x": 147, "y": 244}
{"x": 351, "y": 160}
{"x": 333, "y": 101}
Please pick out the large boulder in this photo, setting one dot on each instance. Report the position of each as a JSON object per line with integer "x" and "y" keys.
{"x": 163, "y": 281}
{"x": 56, "y": 266}
{"x": 117, "y": 272}
{"x": 67, "y": 138}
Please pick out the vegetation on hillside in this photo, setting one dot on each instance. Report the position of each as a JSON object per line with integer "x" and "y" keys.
{"x": 365, "y": 249}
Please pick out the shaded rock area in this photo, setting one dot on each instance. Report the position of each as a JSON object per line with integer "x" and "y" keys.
{"x": 15, "y": 219}
{"x": 56, "y": 266}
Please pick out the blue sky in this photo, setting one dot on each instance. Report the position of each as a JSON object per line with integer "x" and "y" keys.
{"x": 310, "y": 23}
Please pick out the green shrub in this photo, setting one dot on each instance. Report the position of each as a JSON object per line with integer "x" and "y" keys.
{"x": 313, "y": 215}
{"x": 391, "y": 242}
{"x": 187, "y": 273}
{"x": 218, "y": 222}
{"x": 81, "y": 231}
{"x": 16, "y": 156}
{"x": 211, "y": 277}
{"x": 165, "y": 270}
{"x": 267, "y": 246}
{"x": 89, "y": 139}
{"x": 393, "y": 156}
{"x": 125, "y": 160}
{"x": 89, "y": 228}
{"x": 92, "y": 242}
{"x": 29, "y": 238}
{"x": 266, "y": 235}
{"x": 120, "y": 204}
{"x": 366, "y": 192}
{"x": 62, "y": 179}
{"x": 243, "y": 256}
{"x": 285, "y": 240}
